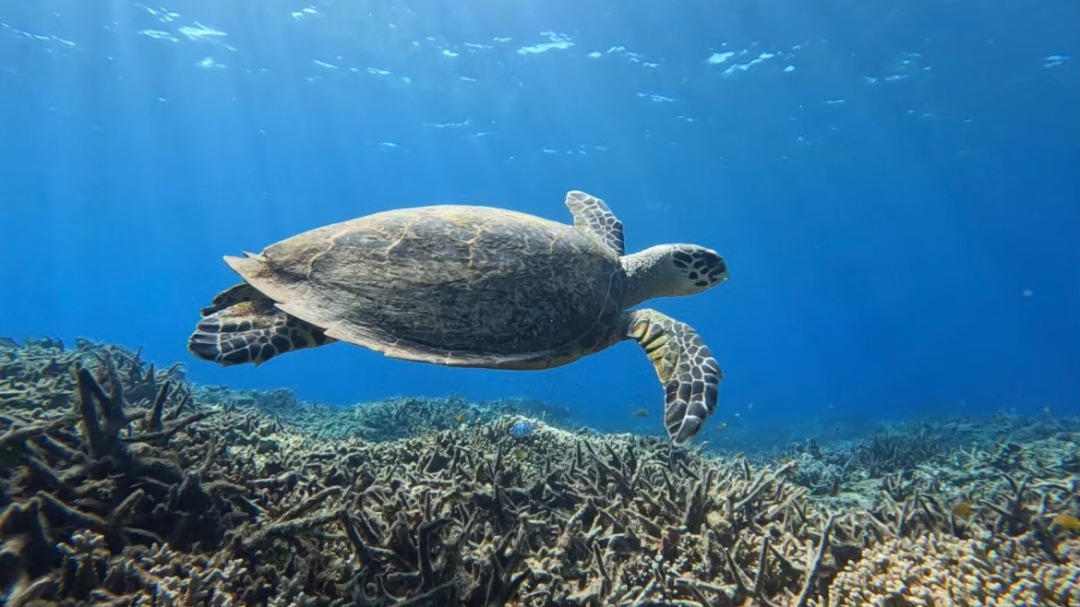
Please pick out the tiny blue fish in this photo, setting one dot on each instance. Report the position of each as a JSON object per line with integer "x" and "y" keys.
{"x": 522, "y": 429}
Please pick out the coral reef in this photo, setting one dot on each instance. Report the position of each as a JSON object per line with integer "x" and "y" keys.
{"x": 390, "y": 419}
{"x": 124, "y": 485}
{"x": 939, "y": 570}
{"x": 960, "y": 513}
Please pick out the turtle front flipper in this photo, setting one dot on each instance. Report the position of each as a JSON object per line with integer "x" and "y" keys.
{"x": 244, "y": 326}
{"x": 690, "y": 375}
{"x": 593, "y": 216}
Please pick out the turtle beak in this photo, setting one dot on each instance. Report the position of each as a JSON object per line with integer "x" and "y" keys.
{"x": 718, "y": 271}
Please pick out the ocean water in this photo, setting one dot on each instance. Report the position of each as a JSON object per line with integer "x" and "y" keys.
{"x": 894, "y": 185}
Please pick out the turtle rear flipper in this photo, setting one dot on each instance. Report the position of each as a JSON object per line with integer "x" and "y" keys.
{"x": 244, "y": 326}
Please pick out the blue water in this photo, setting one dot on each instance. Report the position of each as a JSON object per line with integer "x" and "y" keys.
{"x": 895, "y": 185}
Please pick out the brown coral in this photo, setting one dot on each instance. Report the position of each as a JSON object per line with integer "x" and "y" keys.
{"x": 934, "y": 570}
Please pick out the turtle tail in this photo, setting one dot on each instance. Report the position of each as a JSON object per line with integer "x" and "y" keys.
{"x": 244, "y": 326}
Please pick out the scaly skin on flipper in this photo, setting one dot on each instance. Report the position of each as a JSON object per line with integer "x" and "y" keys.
{"x": 593, "y": 215}
{"x": 242, "y": 325}
{"x": 685, "y": 366}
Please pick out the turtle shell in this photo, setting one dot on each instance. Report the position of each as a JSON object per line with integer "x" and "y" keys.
{"x": 455, "y": 285}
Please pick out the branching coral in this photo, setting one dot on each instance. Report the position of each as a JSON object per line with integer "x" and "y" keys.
{"x": 121, "y": 485}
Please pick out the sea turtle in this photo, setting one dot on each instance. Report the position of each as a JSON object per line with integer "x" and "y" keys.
{"x": 473, "y": 286}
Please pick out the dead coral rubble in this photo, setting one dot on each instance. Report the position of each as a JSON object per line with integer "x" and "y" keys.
{"x": 122, "y": 485}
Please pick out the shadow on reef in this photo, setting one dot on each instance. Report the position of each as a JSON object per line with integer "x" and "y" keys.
{"x": 123, "y": 485}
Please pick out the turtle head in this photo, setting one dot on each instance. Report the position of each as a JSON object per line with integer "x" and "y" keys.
{"x": 673, "y": 269}
{"x": 695, "y": 269}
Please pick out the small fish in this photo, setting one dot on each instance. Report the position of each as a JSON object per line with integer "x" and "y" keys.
{"x": 518, "y": 454}
{"x": 459, "y": 418}
{"x": 963, "y": 509}
{"x": 641, "y": 413}
{"x": 1067, "y": 522}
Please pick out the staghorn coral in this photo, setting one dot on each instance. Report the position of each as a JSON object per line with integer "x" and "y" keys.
{"x": 962, "y": 475}
{"x": 150, "y": 500}
{"x": 457, "y": 516}
{"x": 95, "y": 459}
{"x": 124, "y": 485}
{"x": 389, "y": 419}
{"x": 897, "y": 450}
{"x": 144, "y": 576}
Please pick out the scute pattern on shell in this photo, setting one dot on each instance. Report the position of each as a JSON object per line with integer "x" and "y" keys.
{"x": 458, "y": 282}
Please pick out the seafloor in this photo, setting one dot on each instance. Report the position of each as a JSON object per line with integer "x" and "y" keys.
{"x": 122, "y": 484}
